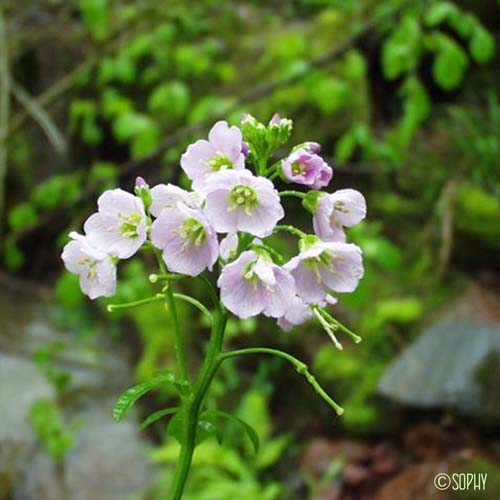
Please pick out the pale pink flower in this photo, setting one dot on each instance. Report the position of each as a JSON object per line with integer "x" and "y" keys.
{"x": 168, "y": 195}
{"x": 236, "y": 200}
{"x": 305, "y": 167}
{"x": 188, "y": 242}
{"x": 223, "y": 150}
{"x": 253, "y": 284}
{"x": 95, "y": 268}
{"x": 119, "y": 226}
{"x": 343, "y": 208}
{"x": 326, "y": 266}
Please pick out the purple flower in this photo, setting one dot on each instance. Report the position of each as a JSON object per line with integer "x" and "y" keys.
{"x": 324, "y": 266}
{"x": 345, "y": 207}
{"x": 167, "y": 196}
{"x": 95, "y": 268}
{"x": 304, "y": 167}
{"x": 253, "y": 284}
{"x": 119, "y": 226}
{"x": 223, "y": 150}
{"x": 298, "y": 313}
{"x": 188, "y": 242}
{"x": 236, "y": 200}
{"x": 310, "y": 147}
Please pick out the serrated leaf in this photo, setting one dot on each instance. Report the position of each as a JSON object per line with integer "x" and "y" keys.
{"x": 250, "y": 432}
{"x": 157, "y": 415}
{"x": 130, "y": 396}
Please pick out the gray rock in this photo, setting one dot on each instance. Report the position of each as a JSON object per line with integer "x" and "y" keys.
{"x": 108, "y": 462}
{"x": 451, "y": 365}
{"x": 21, "y": 384}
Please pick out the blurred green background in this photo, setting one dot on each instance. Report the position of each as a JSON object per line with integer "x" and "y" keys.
{"x": 404, "y": 98}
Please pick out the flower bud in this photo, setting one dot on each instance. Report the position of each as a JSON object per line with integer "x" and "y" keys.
{"x": 142, "y": 191}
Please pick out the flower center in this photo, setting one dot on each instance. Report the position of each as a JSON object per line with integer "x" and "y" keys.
{"x": 251, "y": 277}
{"x": 243, "y": 197}
{"x": 220, "y": 162}
{"x": 91, "y": 266}
{"x": 129, "y": 226}
{"x": 193, "y": 231}
{"x": 298, "y": 168}
{"x": 323, "y": 260}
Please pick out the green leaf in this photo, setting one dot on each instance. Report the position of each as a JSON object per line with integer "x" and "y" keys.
{"x": 249, "y": 430}
{"x": 440, "y": 12}
{"x": 130, "y": 396}
{"x": 329, "y": 94}
{"x": 14, "y": 257}
{"x": 56, "y": 190}
{"x": 206, "y": 428}
{"x": 146, "y": 143}
{"x": 130, "y": 125}
{"x": 416, "y": 109}
{"x": 142, "y": 132}
{"x": 272, "y": 451}
{"x": 450, "y": 62}
{"x": 157, "y": 415}
{"x": 481, "y": 45}
{"x": 114, "y": 104}
{"x": 401, "y": 51}
{"x": 171, "y": 99}
{"x": 346, "y": 146}
{"x": 95, "y": 17}
{"x": 22, "y": 215}
{"x": 49, "y": 427}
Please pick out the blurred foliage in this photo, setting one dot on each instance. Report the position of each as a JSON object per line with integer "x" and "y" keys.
{"x": 232, "y": 469}
{"x": 408, "y": 114}
{"x": 48, "y": 425}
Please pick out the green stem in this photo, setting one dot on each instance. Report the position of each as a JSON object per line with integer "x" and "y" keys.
{"x": 170, "y": 303}
{"x": 191, "y": 407}
{"x": 342, "y": 327}
{"x": 290, "y": 229}
{"x": 195, "y": 303}
{"x": 178, "y": 343}
{"x": 136, "y": 303}
{"x": 301, "y": 368}
{"x": 154, "y": 278}
{"x": 295, "y": 194}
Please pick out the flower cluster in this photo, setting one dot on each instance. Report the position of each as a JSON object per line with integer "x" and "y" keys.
{"x": 225, "y": 219}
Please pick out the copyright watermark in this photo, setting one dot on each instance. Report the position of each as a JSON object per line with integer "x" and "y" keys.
{"x": 460, "y": 481}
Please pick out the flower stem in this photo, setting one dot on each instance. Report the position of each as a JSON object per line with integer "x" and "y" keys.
{"x": 170, "y": 303}
{"x": 301, "y": 368}
{"x": 296, "y": 194}
{"x": 195, "y": 303}
{"x": 191, "y": 407}
{"x": 136, "y": 303}
{"x": 178, "y": 341}
{"x": 291, "y": 230}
